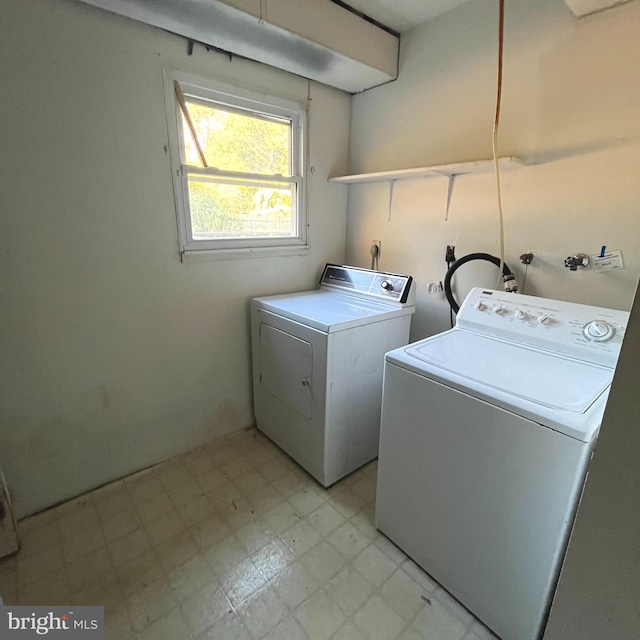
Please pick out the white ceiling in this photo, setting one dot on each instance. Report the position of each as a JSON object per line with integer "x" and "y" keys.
{"x": 402, "y": 15}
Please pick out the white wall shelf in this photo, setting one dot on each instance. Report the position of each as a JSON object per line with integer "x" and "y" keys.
{"x": 447, "y": 170}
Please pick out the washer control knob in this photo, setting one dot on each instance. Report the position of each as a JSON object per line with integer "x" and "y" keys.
{"x": 544, "y": 318}
{"x": 499, "y": 309}
{"x": 387, "y": 285}
{"x": 520, "y": 314}
{"x": 480, "y": 306}
{"x": 599, "y": 331}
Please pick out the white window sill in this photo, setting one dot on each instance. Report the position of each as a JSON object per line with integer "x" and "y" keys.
{"x": 246, "y": 253}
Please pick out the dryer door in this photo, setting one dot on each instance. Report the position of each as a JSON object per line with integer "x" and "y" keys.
{"x": 286, "y": 368}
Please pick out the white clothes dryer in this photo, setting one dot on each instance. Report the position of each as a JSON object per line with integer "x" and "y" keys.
{"x": 486, "y": 434}
{"x": 318, "y": 359}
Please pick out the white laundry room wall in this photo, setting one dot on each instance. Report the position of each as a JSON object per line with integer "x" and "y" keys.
{"x": 115, "y": 354}
{"x": 570, "y": 111}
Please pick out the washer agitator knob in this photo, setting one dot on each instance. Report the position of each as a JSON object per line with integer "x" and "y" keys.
{"x": 544, "y": 318}
{"x": 599, "y": 331}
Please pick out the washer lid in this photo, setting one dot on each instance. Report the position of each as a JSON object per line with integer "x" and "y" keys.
{"x": 330, "y": 311}
{"x": 553, "y": 390}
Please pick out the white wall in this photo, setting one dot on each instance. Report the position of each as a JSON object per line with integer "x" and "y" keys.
{"x": 597, "y": 595}
{"x": 116, "y": 355}
{"x": 571, "y": 111}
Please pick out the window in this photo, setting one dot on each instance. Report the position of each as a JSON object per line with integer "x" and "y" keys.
{"x": 237, "y": 167}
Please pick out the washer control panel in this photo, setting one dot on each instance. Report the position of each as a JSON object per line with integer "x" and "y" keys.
{"x": 379, "y": 284}
{"x": 581, "y": 331}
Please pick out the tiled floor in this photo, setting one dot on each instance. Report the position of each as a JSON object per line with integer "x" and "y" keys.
{"x": 232, "y": 541}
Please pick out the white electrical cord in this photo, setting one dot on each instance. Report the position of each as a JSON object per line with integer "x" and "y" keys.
{"x": 496, "y": 126}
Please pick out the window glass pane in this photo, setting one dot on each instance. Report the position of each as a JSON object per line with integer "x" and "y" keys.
{"x": 232, "y": 141}
{"x": 235, "y": 210}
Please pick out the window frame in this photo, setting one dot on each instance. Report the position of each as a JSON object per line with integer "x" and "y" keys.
{"x": 245, "y": 101}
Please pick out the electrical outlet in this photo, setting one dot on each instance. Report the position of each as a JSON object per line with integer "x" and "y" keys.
{"x": 435, "y": 287}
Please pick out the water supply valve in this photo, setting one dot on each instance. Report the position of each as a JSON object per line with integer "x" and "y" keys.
{"x": 579, "y": 260}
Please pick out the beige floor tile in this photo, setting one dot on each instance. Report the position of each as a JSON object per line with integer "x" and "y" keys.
{"x": 88, "y": 568}
{"x": 236, "y": 467}
{"x": 410, "y": 634}
{"x": 211, "y": 480}
{"x": 225, "y": 555}
{"x": 129, "y": 547}
{"x": 76, "y": 521}
{"x": 378, "y": 621}
{"x": 436, "y": 621}
{"x": 120, "y": 525}
{"x": 249, "y": 482}
{"x": 319, "y": 616}
{"x": 262, "y": 611}
{"x": 322, "y": 562}
{"x": 118, "y": 625}
{"x": 80, "y": 544}
{"x": 139, "y": 572}
{"x": 154, "y": 507}
{"x": 395, "y": 553}
{"x": 184, "y": 493}
{"x": 364, "y": 522}
{"x": 282, "y": 517}
{"x": 301, "y": 537}
{"x": 290, "y": 483}
{"x": 419, "y": 575}
{"x": 325, "y": 519}
{"x": 347, "y": 503}
{"x": 374, "y": 565}
{"x": 265, "y": 498}
{"x": 191, "y": 576}
{"x": 454, "y": 606}
{"x": 204, "y": 608}
{"x": 38, "y": 534}
{"x": 145, "y": 489}
{"x": 229, "y": 627}
{"x": 272, "y": 558}
{"x": 306, "y": 501}
{"x": 176, "y": 551}
{"x": 349, "y": 631}
{"x": 200, "y": 463}
{"x": 365, "y": 488}
{"x": 225, "y": 455}
{"x": 165, "y": 527}
{"x": 196, "y": 511}
{"x": 210, "y": 531}
{"x": 33, "y": 566}
{"x": 172, "y": 473}
{"x": 70, "y": 506}
{"x": 295, "y": 584}
{"x": 170, "y": 626}
{"x": 255, "y": 535}
{"x": 114, "y": 504}
{"x": 241, "y": 581}
{"x": 238, "y": 514}
{"x": 288, "y": 629}
{"x": 150, "y": 603}
{"x": 349, "y": 590}
{"x": 50, "y": 589}
{"x": 348, "y": 540}
{"x": 273, "y": 469}
{"x": 404, "y": 595}
{"x": 225, "y": 496}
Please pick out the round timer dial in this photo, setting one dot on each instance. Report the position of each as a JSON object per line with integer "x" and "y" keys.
{"x": 599, "y": 331}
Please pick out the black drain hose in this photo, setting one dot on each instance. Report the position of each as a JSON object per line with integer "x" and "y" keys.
{"x": 458, "y": 263}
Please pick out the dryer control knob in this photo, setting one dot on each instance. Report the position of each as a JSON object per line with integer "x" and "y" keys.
{"x": 520, "y": 314}
{"x": 480, "y": 306}
{"x": 599, "y": 331}
{"x": 499, "y": 309}
{"x": 387, "y": 285}
{"x": 544, "y": 318}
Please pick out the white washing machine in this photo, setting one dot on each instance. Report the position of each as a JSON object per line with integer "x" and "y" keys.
{"x": 318, "y": 359}
{"x": 486, "y": 433}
